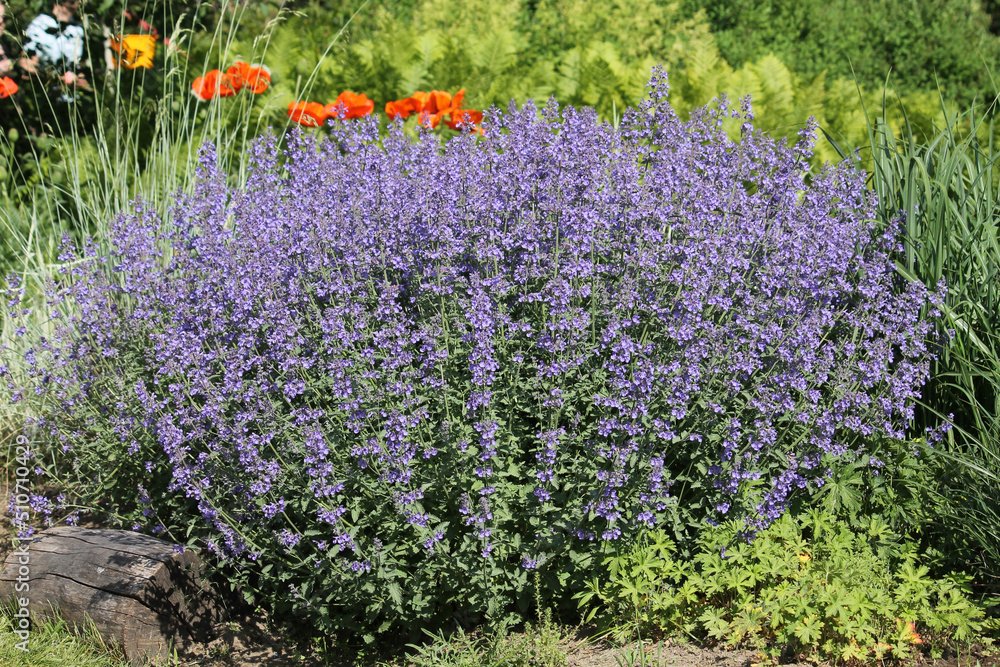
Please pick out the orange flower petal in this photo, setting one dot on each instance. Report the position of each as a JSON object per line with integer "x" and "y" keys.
{"x": 438, "y": 102}
{"x": 144, "y": 49}
{"x": 431, "y": 107}
{"x": 402, "y": 108}
{"x": 134, "y": 51}
{"x": 8, "y": 87}
{"x": 226, "y": 88}
{"x": 203, "y": 87}
{"x": 428, "y": 119}
{"x": 310, "y": 114}
{"x": 393, "y": 110}
{"x": 419, "y": 100}
{"x": 355, "y": 105}
{"x": 458, "y": 117}
{"x": 213, "y": 84}
{"x": 257, "y": 79}
{"x": 237, "y": 74}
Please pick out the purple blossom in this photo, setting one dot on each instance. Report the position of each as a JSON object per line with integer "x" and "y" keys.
{"x": 360, "y": 566}
{"x": 288, "y": 538}
{"x": 433, "y": 540}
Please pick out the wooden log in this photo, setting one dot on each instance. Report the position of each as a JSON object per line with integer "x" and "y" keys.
{"x": 140, "y": 592}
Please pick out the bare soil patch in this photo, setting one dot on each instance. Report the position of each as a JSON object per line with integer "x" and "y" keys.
{"x": 675, "y": 655}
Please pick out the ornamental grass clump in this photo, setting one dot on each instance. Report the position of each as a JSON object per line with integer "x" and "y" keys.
{"x": 387, "y": 380}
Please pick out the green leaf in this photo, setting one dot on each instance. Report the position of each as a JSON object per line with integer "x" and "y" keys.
{"x": 809, "y": 630}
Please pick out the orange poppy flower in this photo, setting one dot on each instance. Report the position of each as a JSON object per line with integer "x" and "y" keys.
{"x": 255, "y": 78}
{"x": 458, "y": 116}
{"x": 355, "y": 104}
{"x": 439, "y": 103}
{"x": 310, "y": 114}
{"x": 214, "y": 83}
{"x": 401, "y": 108}
{"x": 431, "y": 107}
{"x": 7, "y": 87}
{"x": 416, "y": 103}
{"x": 134, "y": 51}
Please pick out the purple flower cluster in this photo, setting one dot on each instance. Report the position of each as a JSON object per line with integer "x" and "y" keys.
{"x": 558, "y": 333}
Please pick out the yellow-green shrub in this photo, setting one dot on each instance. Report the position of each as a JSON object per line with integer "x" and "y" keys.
{"x": 810, "y": 586}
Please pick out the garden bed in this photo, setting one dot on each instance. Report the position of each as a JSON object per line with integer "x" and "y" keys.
{"x": 659, "y": 377}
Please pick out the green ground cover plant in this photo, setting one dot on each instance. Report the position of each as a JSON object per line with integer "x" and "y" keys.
{"x": 808, "y": 587}
{"x": 540, "y": 645}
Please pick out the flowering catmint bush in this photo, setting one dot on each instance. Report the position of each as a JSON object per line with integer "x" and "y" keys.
{"x": 386, "y": 380}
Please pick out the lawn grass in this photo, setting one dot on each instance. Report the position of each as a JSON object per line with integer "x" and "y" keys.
{"x": 52, "y": 643}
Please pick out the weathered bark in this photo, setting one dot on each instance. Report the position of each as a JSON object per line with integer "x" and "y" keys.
{"x": 139, "y": 591}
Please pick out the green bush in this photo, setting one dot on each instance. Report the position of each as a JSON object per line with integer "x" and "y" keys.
{"x": 924, "y": 45}
{"x": 807, "y": 587}
{"x": 414, "y": 460}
